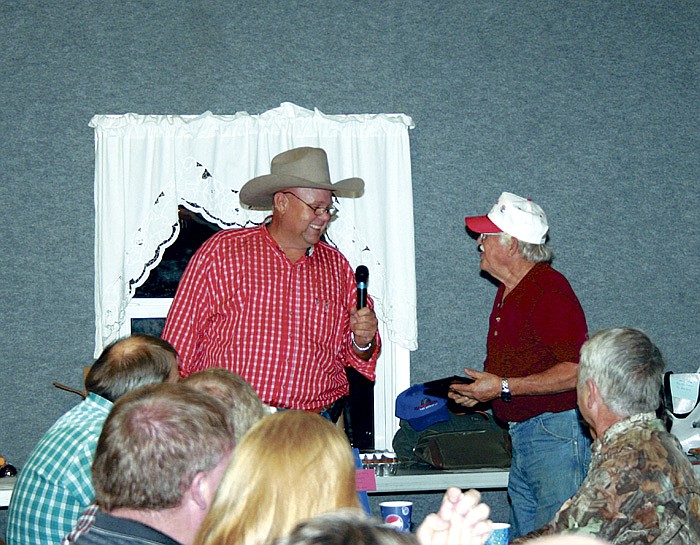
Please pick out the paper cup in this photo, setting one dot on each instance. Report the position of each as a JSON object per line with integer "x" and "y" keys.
{"x": 500, "y": 534}
{"x": 397, "y": 514}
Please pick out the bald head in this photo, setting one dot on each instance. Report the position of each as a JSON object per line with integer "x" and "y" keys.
{"x": 129, "y": 363}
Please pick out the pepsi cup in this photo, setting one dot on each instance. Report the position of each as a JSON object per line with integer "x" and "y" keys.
{"x": 397, "y": 514}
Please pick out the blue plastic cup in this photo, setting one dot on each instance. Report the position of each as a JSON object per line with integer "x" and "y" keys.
{"x": 500, "y": 534}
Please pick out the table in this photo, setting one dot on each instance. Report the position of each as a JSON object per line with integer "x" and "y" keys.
{"x": 427, "y": 480}
{"x": 6, "y": 486}
{"x": 406, "y": 480}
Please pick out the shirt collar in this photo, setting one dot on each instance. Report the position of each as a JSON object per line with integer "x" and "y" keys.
{"x": 640, "y": 420}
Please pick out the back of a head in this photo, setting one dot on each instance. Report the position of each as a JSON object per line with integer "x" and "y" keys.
{"x": 345, "y": 527}
{"x": 129, "y": 363}
{"x": 627, "y": 369}
{"x": 290, "y": 466}
{"x": 239, "y": 397}
{"x": 153, "y": 443}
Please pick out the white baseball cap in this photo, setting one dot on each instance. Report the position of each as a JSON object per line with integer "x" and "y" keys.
{"x": 520, "y": 218}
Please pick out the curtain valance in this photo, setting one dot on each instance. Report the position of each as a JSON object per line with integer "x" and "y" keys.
{"x": 148, "y": 165}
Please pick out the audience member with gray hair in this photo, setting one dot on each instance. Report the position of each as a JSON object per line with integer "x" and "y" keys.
{"x": 55, "y": 484}
{"x": 243, "y": 403}
{"x": 640, "y": 487}
{"x": 159, "y": 460}
{"x": 626, "y": 368}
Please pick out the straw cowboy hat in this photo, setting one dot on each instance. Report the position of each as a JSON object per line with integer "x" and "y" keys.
{"x": 298, "y": 167}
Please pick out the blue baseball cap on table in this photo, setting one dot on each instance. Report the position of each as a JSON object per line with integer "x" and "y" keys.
{"x": 419, "y": 409}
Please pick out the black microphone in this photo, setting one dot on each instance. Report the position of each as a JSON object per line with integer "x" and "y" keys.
{"x": 361, "y": 277}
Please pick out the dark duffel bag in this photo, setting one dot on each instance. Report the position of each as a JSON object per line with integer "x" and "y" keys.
{"x": 469, "y": 441}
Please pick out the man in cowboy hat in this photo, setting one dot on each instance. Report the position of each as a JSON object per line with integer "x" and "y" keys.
{"x": 274, "y": 303}
{"x": 536, "y": 329}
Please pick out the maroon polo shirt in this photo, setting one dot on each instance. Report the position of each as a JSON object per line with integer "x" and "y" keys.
{"x": 540, "y": 323}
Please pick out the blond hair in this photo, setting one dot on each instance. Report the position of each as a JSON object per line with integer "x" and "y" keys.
{"x": 289, "y": 467}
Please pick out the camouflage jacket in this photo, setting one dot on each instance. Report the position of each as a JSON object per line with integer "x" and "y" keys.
{"x": 640, "y": 489}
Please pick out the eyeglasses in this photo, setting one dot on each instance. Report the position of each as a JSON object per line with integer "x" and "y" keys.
{"x": 318, "y": 210}
{"x": 483, "y": 236}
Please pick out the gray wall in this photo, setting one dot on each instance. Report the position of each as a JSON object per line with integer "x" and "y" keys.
{"x": 590, "y": 108}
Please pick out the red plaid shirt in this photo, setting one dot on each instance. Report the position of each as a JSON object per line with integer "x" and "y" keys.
{"x": 284, "y": 327}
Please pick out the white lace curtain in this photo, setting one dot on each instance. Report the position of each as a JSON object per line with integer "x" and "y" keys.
{"x": 147, "y": 165}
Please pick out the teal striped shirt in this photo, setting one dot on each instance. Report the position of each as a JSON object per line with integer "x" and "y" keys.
{"x": 55, "y": 484}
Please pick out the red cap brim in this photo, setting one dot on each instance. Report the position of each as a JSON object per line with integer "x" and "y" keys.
{"x": 481, "y": 224}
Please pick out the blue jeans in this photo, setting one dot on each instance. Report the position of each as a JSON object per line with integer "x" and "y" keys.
{"x": 551, "y": 454}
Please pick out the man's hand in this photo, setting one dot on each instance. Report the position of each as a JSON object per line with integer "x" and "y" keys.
{"x": 461, "y": 520}
{"x": 486, "y": 386}
{"x": 363, "y": 324}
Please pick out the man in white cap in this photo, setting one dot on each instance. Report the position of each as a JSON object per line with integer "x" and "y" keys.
{"x": 536, "y": 330}
{"x": 274, "y": 303}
